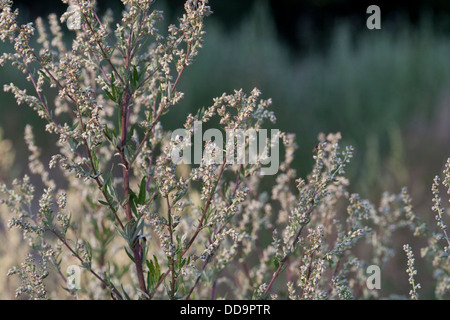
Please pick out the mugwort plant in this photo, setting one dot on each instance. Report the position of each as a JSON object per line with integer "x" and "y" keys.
{"x": 132, "y": 213}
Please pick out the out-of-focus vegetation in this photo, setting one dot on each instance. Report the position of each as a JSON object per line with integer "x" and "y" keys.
{"x": 382, "y": 89}
{"x": 387, "y": 91}
{"x": 377, "y": 87}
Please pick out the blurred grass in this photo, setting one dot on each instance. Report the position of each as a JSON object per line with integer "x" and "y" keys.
{"x": 367, "y": 84}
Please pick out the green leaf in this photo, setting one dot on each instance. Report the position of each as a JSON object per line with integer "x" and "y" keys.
{"x": 111, "y": 135}
{"x": 127, "y": 297}
{"x": 135, "y": 73}
{"x": 130, "y": 150}
{"x": 107, "y": 183}
{"x": 151, "y": 267}
{"x": 150, "y": 116}
{"x": 154, "y": 272}
{"x": 200, "y": 113}
{"x": 75, "y": 125}
{"x": 109, "y": 95}
{"x": 95, "y": 160}
{"x": 151, "y": 274}
{"x": 131, "y": 138}
{"x": 142, "y": 191}
{"x": 74, "y": 144}
{"x": 135, "y": 78}
{"x": 129, "y": 254}
{"x": 133, "y": 201}
{"x": 276, "y": 262}
{"x": 45, "y": 76}
{"x": 103, "y": 202}
{"x": 112, "y": 85}
{"x": 158, "y": 269}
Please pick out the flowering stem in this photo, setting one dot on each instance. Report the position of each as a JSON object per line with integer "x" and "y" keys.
{"x": 212, "y": 253}
{"x": 197, "y": 231}
{"x": 308, "y": 276}
{"x": 91, "y": 160}
{"x": 208, "y": 203}
{"x": 172, "y": 260}
{"x": 109, "y": 36}
{"x": 294, "y": 243}
{"x": 199, "y": 276}
{"x": 155, "y": 120}
{"x": 76, "y": 255}
{"x": 411, "y": 272}
{"x": 105, "y": 56}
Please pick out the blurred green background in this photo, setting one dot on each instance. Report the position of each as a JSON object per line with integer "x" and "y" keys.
{"x": 387, "y": 91}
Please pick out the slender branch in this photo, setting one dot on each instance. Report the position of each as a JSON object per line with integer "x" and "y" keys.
{"x": 172, "y": 260}
{"x": 41, "y": 99}
{"x": 292, "y": 248}
{"x": 64, "y": 279}
{"x": 79, "y": 116}
{"x": 311, "y": 257}
{"x": 141, "y": 24}
{"x": 212, "y": 253}
{"x": 101, "y": 188}
{"x": 297, "y": 236}
{"x": 162, "y": 108}
{"x": 199, "y": 276}
{"x": 205, "y": 210}
{"x": 188, "y": 52}
{"x": 335, "y": 272}
{"x": 87, "y": 266}
{"x": 55, "y": 80}
{"x": 91, "y": 160}
{"x": 109, "y": 35}
{"x": 100, "y": 46}
{"x": 213, "y": 289}
{"x": 197, "y": 231}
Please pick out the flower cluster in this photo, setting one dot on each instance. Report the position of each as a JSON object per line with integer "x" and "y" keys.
{"x": 411, "y": 272}
{"x": 438, "y": 246}
{"x": 32, "y": 278}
